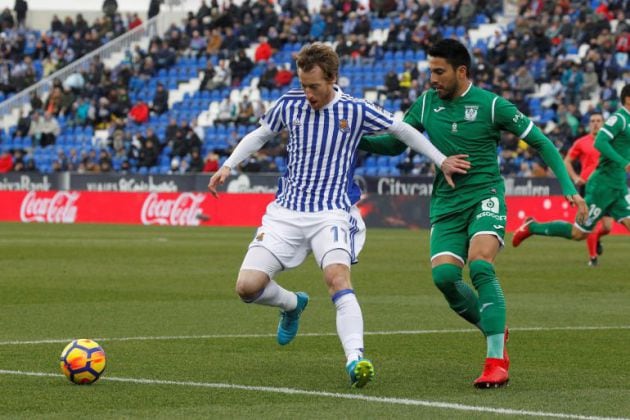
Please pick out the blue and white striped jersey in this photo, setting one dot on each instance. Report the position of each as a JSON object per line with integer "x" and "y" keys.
{"x": 322, "y": 147}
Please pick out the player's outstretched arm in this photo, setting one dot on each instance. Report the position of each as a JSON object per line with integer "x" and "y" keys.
{"x": 456, "y": 164}
{"x": 552, "y": 158}
{"x": 568, "y": 164}
{"x": 250, "y": 144}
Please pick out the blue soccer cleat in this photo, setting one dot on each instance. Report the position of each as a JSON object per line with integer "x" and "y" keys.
{"x": 361, "y": 372}
{"x": 290, "y": 320}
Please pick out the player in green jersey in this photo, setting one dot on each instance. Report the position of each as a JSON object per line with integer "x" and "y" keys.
{"x": 468, "y": 221}
{"x": 606, "y": 188}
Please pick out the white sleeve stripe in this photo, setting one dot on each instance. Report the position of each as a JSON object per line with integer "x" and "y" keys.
{"x": 494, "y": 102}
{"x": 527, "y": 130}
{"x": 424, "y": 99}
{"x": 608, "y": 133}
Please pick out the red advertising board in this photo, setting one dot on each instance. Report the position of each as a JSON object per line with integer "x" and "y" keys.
{"x": 197, "y": 209}
{"x": 175, "y": 209}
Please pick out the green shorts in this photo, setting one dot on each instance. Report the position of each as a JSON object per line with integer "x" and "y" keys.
{"x": 451, "y": 235}
{"x": 604, "y": 202}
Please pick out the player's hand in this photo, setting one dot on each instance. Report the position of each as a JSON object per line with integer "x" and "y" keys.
{"x": 576, "y": 200}
{"x": 217, "y": 179}
{"x": 579, "y": 181}
{"x": 628, "y": 167}
{"x": 456, "y": 164}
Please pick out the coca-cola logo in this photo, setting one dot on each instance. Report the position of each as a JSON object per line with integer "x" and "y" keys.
{"x": 182, "y": 211}
{"x": 60, "y": 208}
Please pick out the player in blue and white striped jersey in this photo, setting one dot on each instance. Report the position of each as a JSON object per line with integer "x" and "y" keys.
{"x": 313, "y": 210}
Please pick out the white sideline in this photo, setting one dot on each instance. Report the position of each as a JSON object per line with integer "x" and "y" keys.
{"x": 329, "y": 334}
{"x": 294, "y": 391}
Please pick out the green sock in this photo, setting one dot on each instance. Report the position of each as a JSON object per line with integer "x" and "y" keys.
{"x": 460, "y": 297}
{"x": 495, "y": 346}
{"x": 557, "y": 228}
{"x": 491, "y": 300}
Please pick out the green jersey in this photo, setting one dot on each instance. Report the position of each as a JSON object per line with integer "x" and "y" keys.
{"x": 613, "y": 141}
{"x": 471, "y": 124}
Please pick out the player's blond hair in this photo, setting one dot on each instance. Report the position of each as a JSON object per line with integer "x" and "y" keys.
{"x": 320, "y": 55}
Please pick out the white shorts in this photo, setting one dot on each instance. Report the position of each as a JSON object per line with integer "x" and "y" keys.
{"x": 291, "y": 235}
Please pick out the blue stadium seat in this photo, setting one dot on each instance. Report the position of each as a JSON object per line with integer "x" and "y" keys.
{"x": 371, "y": 171}
{"x": 548, "y": 115}
{"x": 370, "y": 162}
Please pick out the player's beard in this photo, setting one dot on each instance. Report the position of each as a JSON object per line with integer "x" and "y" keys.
{"x": 446, "y": 93}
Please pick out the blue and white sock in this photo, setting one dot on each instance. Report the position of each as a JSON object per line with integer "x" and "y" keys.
{"x": 349, "y": 323}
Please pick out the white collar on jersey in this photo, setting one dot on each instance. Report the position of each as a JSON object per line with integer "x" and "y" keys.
{"x": 336, "y": 98}
{"x": 467, "y": 90}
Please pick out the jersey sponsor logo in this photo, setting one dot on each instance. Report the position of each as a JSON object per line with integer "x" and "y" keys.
{"x": 296, "y": 123}
{"x": 490, "y": 204}
{"x": 439, "y": 109}
{"x": 611, "y": 121}
{"x": 454, "y": 128}
{"x": 260, "y": 236}
{"x": 344, "y": 127}
{"x": 518, "y": 116}
{"x": 495, "y": 216}
{"x": 470, "y": 112}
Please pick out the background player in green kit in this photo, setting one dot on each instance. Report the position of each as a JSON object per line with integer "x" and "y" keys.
{"x": 468, "y": 221}
{"x": 606, "y": 189}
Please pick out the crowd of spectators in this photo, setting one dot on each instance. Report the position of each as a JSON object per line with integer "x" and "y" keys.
{"x": 27, "y": 55}
{"x": 562, "y": 48}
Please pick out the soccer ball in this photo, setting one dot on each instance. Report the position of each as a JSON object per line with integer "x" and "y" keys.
{"x": 83, "y": 361}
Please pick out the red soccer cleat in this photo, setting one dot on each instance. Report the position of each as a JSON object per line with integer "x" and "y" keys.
{"x": 494, "y": 375}
{"x": 522, "y": 232}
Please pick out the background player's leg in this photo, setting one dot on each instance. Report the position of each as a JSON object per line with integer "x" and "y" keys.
{"x": 593, "y": 241}
{"x": 556, "y": 228}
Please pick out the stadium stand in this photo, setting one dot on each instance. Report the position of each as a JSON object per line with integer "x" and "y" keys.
{"x": 557, "y": 61}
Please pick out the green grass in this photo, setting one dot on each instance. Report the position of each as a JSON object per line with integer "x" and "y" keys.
{"x": 87, "y": 281}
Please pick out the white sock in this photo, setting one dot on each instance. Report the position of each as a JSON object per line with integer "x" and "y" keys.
{"x": 274, "y": 295}
{"x": 350, "y": 326}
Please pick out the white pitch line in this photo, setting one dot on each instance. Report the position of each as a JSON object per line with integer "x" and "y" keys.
{"x": 330, "y": 334}
{"x": 324, "y": 394}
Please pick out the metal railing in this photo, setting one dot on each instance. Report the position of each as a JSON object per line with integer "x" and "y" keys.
{"x": 157, "y": 25}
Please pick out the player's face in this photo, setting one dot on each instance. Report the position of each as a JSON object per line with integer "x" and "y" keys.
{"x": 318, "y": 90}
{"x": 446, "y": 80}
{"x": 595, "y": 123}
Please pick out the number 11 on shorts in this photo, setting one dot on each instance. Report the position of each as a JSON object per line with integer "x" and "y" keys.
{"x": 335, "y": 231}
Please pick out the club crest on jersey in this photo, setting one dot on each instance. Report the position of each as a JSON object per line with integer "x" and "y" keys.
{"x": 470, "y": 112}
{"x": 344, "y": 127}
{"x": 611, "y": 121}
{"x": 454, "y": 128}
{"x": 296, "y": 123}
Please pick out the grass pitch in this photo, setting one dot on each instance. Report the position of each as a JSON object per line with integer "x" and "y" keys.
{"x": 180, "y": 344}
